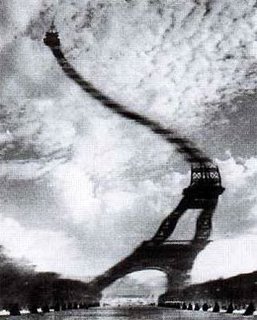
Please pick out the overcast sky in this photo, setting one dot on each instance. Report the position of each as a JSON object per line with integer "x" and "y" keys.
{"x": 80, "y": 187}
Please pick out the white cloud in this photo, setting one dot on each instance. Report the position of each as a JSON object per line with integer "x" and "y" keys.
{"x": 167, "y": 61}
{"x": 28, "y": 170}
{"x": 226, "y": 258}
{"x": 77, "y": 195}
{"x": 48, "y": 250}
{"x": 17, "y": 15}
{"x": 237, "y": 173}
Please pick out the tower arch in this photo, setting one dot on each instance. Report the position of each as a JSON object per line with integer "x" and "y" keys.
{"x": 136, "y": 288}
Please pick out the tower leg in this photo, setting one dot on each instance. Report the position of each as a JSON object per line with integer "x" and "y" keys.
{"x": 176, "y": 283}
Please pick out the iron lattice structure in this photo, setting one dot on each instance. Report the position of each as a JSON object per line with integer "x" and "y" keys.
{"x": 175, "y": 259}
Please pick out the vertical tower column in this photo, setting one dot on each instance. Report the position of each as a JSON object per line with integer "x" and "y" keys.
{"x": 204, "y": 222}
{"x": 177, "y": 280}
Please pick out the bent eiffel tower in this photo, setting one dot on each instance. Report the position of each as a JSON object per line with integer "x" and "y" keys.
{"x": 175, "y": 258}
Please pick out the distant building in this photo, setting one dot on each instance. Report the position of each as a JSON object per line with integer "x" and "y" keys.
{"x": 129, "y": 300}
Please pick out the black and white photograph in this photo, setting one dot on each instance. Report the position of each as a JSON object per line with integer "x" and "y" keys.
{"x": 128, "y": 159}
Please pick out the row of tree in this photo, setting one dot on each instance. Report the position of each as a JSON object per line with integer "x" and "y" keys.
{"x": 22, "y": 287}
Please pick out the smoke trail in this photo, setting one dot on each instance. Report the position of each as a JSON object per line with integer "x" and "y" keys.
{"x": 184, "y": 146}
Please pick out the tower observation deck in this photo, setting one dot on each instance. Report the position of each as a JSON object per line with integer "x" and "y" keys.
{"x": 175, "y": 259}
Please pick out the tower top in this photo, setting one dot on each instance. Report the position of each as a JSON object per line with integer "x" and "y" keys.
{"x": 51, "y": 38}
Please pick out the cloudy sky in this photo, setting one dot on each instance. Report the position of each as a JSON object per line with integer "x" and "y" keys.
{"x": 80, "y": 187}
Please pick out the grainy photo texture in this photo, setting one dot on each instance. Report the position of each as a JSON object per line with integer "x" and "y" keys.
{"x": 128, "y": 159}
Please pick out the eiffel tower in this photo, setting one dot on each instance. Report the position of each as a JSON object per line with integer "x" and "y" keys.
{"x": 175, "y": 258}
